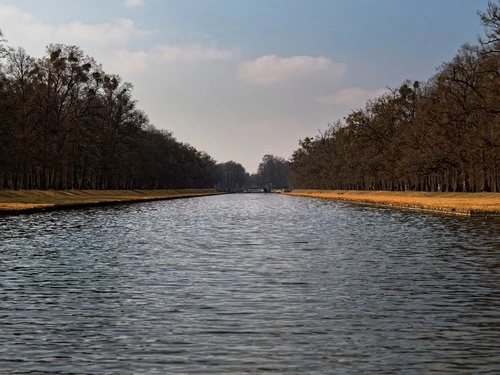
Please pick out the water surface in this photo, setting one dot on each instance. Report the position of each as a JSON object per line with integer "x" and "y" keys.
{"x": 248, "y": 283}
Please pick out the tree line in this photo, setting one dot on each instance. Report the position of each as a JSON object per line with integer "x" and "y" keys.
{"x": 66, "y": 124}
{"x": 439, "y": 135}
{"x": 272, "y": 173}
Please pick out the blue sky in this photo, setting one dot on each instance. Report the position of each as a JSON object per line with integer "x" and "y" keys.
{"x": 243, "y": 78}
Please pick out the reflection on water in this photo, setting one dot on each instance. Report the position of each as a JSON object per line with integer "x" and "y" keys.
{"x": 248, "y": 284}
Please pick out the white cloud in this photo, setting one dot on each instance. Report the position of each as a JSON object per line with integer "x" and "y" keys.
{"x": 191, "y": 53}
{"x": 109, "y": 42}
{"x": 133, "y": 3}
{"x": 350, "y": 96}
{"x": 22, "y": 25}
{"x": 271, "y": 68}
{"x": 119, "y": 31}
{"x": 129, "y": 62}
{"x": 9, "y": 11}
{"x": 29, "y": 30}
{"x": 142, "y": 60}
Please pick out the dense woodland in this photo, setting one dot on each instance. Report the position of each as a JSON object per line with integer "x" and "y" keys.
{"x": 66, "y": 124}
{"x": 439, "y": 135}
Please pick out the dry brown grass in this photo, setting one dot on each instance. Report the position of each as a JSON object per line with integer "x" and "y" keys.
{"x": 29, "y": 200}
{"x": 21, "y": 206}
{"x": 460, "y": 203}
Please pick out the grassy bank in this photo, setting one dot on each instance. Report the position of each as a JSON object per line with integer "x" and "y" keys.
{"x": 19, "y": 201}
{"x": 470, "y": 204}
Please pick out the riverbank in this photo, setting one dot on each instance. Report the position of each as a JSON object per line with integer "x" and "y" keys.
{"x": 467, "y": 204}
{"x": 23, "y": 201}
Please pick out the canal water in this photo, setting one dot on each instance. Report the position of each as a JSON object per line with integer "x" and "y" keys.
{"x": 248, "y": 283}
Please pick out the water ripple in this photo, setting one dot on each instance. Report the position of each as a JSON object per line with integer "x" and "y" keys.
{"x": 248, "y": 284}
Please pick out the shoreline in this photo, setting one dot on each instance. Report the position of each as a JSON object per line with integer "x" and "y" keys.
{"x": 462, "y": 204}
{"x": 15, "y": 202}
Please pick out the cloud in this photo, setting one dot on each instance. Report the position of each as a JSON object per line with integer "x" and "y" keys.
{"x": 133, "y": 3}
{"x": 29, "y": 30}
{"x": 110, "y": 42}
{"x": 23, "y": 25}
{"x": 123, "y": 61}
{"x": 191, "y": 53}
{"x": 350, "y": 96}
{"x": 271, "y": 68}
{"x": 141, "y": 60}
{"x": 119, "y": 31}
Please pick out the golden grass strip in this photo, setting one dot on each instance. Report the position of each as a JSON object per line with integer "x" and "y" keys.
{"x": 459, "y": 203}
{"x": 15, "y": 201}
{"x": 22, "y": 206}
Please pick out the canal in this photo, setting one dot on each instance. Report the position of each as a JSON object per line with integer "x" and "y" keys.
{"x": 248, "y": 283}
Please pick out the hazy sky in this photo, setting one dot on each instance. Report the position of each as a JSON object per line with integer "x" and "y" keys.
{"x": 243, "y": 78}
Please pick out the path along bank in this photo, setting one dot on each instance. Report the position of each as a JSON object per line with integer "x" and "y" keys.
{"x": 466, "y": 204}
{"x": 24, "y": 201}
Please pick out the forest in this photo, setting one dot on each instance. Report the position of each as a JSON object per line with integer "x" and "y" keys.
{"x": 66, "y": 124}
{"x": 439, "y": 135}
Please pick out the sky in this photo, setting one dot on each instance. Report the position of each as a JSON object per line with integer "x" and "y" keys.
{"x": 239, "y": 79}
